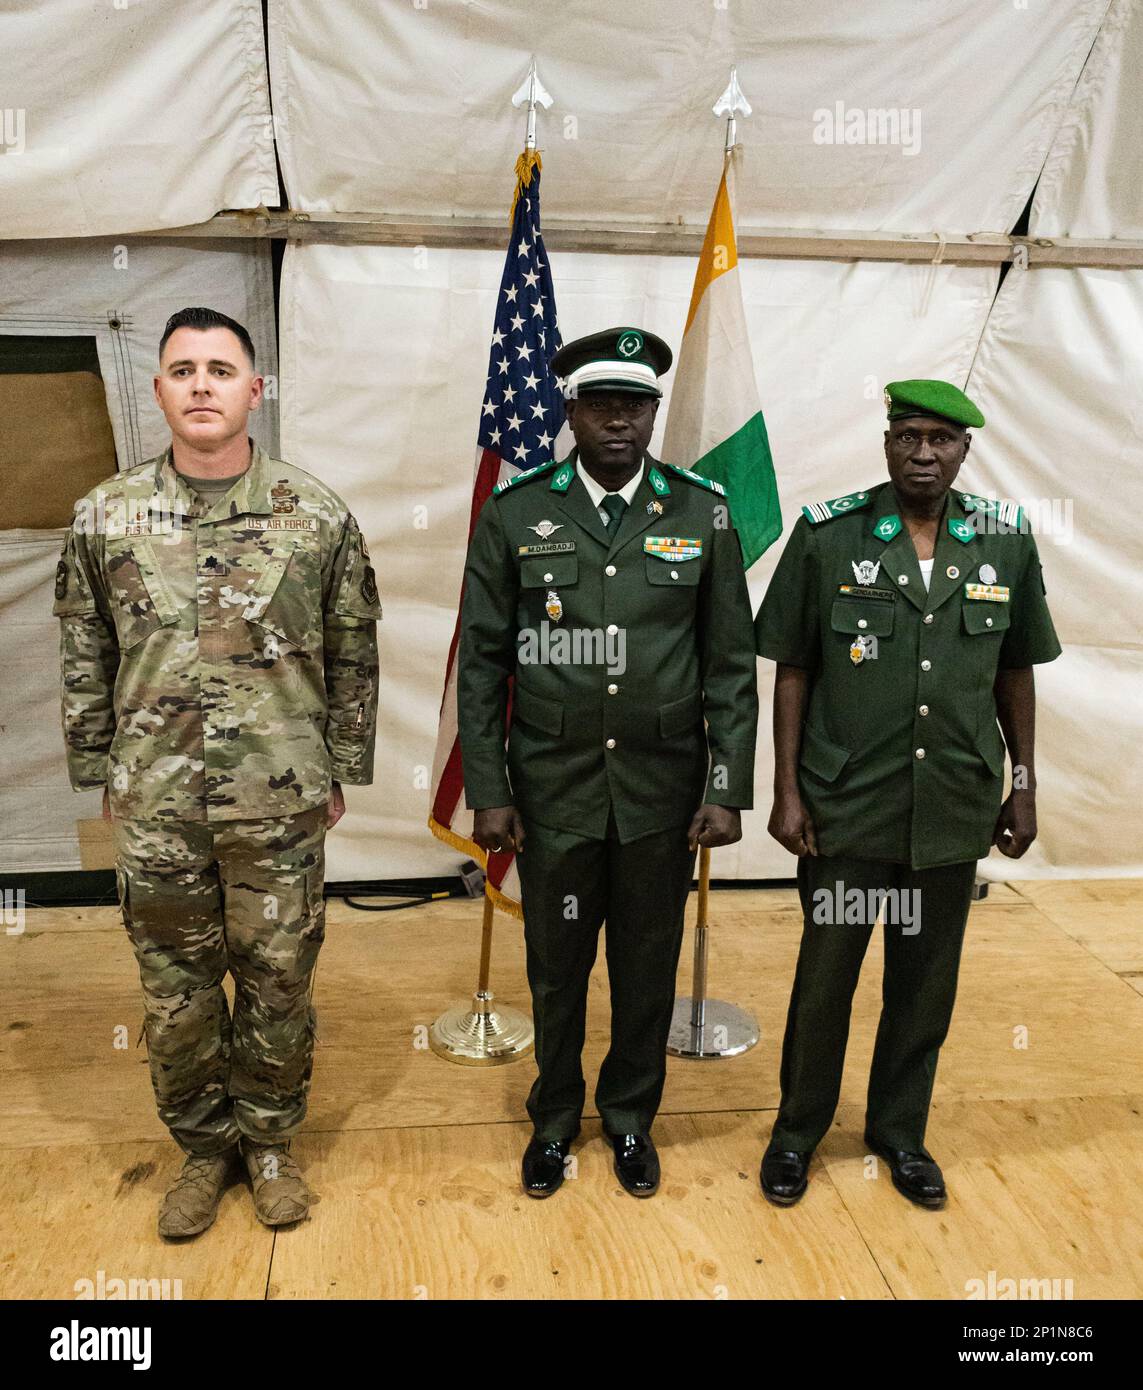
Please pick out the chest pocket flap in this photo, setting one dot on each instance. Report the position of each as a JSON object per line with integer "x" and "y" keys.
{"x": 980, "y": 616}
{"x": 157, "y": 587}
{"x": 872, "y": 616}
{"x": 675, "y": 574}
{"x": 538, "y": 571}
{"x": 265, "y": 587}
{"x": 142, "y": 599}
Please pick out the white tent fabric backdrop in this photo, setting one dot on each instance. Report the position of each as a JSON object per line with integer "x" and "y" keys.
{"x": 68, "y": 288}
{"x": 384, "y": 354}
{"x": 886, "y": 116}
{"x": 125, "y": 118}
{"x": 402, "y": 108}
{"x": 1058, "y": 378}
{"x": 1092, "y": 184}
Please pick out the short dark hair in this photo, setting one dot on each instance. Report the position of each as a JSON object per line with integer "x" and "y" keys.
{"x": 203, "y": 319}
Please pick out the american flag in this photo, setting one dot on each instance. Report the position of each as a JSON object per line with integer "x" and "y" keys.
{"x": 520, "y": 419}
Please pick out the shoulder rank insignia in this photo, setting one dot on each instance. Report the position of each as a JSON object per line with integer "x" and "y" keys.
{"x": 1009, "y": 514}
{"x": 522, "y": 477}
{"x": 708, "y": 483}
{"x": 838, "y": 506}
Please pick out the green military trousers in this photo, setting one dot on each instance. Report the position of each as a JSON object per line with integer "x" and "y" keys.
{"x": 570, "y": 887}
{"x": 199, "y": 899}
{"x": 924, "y": 921}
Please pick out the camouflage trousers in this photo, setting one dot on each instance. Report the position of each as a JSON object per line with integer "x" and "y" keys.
{"x": 200, "y": 899}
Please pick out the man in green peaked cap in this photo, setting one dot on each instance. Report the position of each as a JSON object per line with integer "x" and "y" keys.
{"x": 905, "y": 620}
{"x": 610, "y": 588}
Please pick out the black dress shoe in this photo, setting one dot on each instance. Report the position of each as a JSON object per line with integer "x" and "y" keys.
{"x": 636, "y": 1163}
{"x": 915, "y": 1175}
{"x": 785, "y": 1176}
{"x": 542, "y": 1170}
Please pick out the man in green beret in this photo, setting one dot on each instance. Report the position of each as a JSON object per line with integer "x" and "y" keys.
{"x": 905, "y": 620}
{"x": 610, "y": 589}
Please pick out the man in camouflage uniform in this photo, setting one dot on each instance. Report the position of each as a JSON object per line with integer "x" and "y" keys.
{"x": 219, "y": 658}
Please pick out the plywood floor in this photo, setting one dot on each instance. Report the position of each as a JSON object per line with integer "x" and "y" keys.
{"x": 1037, "y": 1121}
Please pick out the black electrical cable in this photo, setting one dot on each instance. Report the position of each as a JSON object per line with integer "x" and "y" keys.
{"x": 395, "y": 907}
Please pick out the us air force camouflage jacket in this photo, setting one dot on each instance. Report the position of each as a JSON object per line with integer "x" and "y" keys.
{"x": 219, "y": 662}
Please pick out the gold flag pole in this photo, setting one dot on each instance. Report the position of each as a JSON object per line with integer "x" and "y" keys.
{"x": 478, "y": 1035}
{"x": 702, "y": 1028}
{"x": 474, "y": 1033}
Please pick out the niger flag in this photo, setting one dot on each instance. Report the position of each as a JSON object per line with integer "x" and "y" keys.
{"x": 715, "y": 424}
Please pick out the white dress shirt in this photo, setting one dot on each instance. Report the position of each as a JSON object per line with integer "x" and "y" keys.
{"x": 597, "y": 493}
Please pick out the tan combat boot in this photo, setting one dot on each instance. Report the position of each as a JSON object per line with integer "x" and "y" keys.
{"x": 191, "y": 1202}
{"x": 281, "y": 1196}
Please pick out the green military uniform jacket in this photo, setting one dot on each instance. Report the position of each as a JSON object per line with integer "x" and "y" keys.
{"x": 668, "y": 590}
{"x": 902, "y": 758}
{"x": 219, "y": 661}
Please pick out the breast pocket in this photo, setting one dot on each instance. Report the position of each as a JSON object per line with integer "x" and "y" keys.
{"x": 982, "y": 619}
{"x": 549, "y": 571}
{"x": 673, "y": 574}
{"x": 283, "y": 602}
{"x": 857, "y": 617}
{"x": 142, "y": 601}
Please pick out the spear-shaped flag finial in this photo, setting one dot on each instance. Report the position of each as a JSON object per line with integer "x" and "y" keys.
{"x": 729, "y": 105}
{"x": 532, "y": 91}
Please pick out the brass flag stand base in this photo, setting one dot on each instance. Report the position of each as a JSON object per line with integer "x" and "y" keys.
{"x": 477, "y": 1034}
{"x": 703, "y": 1028}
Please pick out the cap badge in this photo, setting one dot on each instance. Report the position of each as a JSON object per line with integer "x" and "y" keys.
{"x": 629, "y": 344}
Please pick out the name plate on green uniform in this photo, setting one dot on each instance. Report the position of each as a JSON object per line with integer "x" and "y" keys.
{"x": 989, "y": 593}
{"x": 551, "y": 548}
{"x": 864, "y": 592}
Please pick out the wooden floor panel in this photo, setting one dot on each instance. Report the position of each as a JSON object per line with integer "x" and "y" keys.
{"x": 1035, "y": 1120}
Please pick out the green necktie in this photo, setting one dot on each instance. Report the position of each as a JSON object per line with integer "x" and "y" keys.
{"x": 614, "y": 506}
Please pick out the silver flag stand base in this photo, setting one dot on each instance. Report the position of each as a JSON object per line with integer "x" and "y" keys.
{"x": 478, "y": 1035}
{"x": 703, "y": 1028}
{"x": 725, "y": 1030}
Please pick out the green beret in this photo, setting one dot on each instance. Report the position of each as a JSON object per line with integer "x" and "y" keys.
{"x": 939, "y": 398}
{"x": 618, "y": 359}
